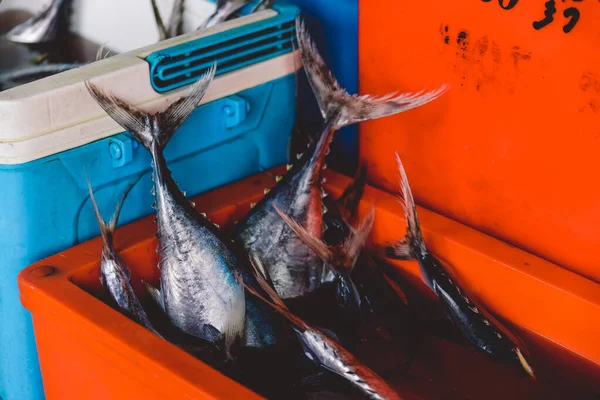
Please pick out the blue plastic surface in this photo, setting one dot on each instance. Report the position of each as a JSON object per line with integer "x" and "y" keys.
{"x": 333, "y": 24}
{"x": 45, "y": 205}
{"x": 234, "y": 49}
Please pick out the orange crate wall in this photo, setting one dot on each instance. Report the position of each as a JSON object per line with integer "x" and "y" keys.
{"x": 513, "y": 149}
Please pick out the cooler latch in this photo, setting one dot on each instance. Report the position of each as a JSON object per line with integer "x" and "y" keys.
{"x": 235, "y": 110}
{"x": 121, "y": 150}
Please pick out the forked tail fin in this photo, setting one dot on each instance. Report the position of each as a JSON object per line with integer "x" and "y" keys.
{"x": 107, "y": 230}
{"x": 153, "y": 129}
{"x": 345, "y": 109}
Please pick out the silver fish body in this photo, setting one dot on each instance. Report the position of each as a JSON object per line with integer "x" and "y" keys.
{"x": 293, "y": 266}
{"x": 335, "y": 358}
{"x": 40, "y": 28}
{"x": 475, "y": 322}
{"x": 322, "y": 349}
{"x": 199, "y": 287}
{"x": 114, "y": 273}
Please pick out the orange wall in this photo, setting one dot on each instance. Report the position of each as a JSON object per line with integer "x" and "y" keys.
{"x": 514, "y": 148}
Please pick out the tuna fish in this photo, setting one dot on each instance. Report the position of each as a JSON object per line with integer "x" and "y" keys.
{"x": 472, "y": 319}
{"x": 40, "y": 28}
{"x": 200, "y": 291}
{"x": 321, "y": 348}
{"x": 115, "y": 275}
{"x": 294, "y": 268}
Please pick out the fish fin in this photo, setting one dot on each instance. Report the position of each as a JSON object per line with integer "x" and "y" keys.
{"x": 153, "y": 129}
{"x": 233, "y": 329}
{"x": 315, "y": 244}
{"x": 104, "y": 229}
{"x": 100, "y": 53}
{"x": 155, "y": 294}
{"x": 349, "y": 200}
{"x": 273, "y": 300}
{"x": 335, "y": 102}
{"x": 162, "y": 31}
{"x": 524, "y": 363}
{"x": 112, "y": 225}
{"x": 340, "y": 262}
{"x": 210, "y": 333}
{"x": 414, "y": 236}
{"x": 357, "y": 239}
{"x": 175, "y": 27}
{"x": 398, "y": 251}
{"x": 41, "y": 28}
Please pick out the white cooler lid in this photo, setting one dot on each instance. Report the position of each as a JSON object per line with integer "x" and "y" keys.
{"x": 57, "y": 113}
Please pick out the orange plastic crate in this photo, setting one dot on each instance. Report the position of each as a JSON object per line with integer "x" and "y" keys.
{"x": 512, "y": 148}
{"x": 88, "y": 350}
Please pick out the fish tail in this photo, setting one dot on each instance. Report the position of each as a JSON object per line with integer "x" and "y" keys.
{"x": 413, "y": 245}
{"x": 107, "y": 229}
{"x": 272, "y": 299}
{"x": 155, "y": 294}
{"x": 348, "y": 202}
{"x": 153, "y": 130}
{"x": 336, "y": 103}
{"x": 176, "y": 20}
{"x": 162, "y": 31}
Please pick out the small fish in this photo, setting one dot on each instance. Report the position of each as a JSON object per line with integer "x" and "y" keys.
{"x": 115, "y": 275}
{"x": 200, "y": 292}
{"x": 11, "y": 79}
{"x": 294, "y": 268}
{"x": 320, "y": 348}
{"x": 224, "y": 11}
{"x": 175, "y": 25}
{"x": 40, "y": 28}
{"x": 472, "y": 319}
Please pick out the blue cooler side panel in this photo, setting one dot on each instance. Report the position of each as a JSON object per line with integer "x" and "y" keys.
{"x": 333, "y": 24}
{"x": 45, "y": 207}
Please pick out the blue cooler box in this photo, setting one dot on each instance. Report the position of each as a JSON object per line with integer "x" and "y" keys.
{"x": 52, "y": 132}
